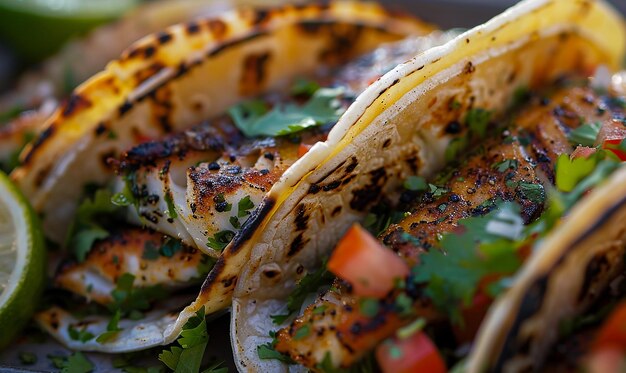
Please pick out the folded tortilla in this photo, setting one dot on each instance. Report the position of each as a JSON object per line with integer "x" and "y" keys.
{"x": 396, "y": 129}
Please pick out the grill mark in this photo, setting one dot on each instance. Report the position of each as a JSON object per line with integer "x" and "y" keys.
{"x": 43, "y": 137}
{"x": 302, "y": 218}
{"x": 251, "y": 225}
{"x": 361, "y": 198}
{"x": 254, "y": 68}
{"x": 526, "y": 308}
{"x": 296, "y": 245}
{"x": 598, "y": 265}
{"x": 75, "y": 103}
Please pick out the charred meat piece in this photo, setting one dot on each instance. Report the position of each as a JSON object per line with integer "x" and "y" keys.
{"x": 516, "y": 166}
{"x": 152, "y": 258}
{"x": 201, "y": 185}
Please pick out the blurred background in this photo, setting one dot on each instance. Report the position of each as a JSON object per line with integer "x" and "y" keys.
{"x": 33, "y": 30}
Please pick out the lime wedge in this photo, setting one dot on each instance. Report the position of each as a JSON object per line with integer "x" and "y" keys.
{"x": 37, "y": 28}
{"x": 22, "y": 261}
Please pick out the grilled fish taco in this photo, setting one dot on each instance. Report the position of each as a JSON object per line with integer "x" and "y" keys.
{"x": 184, "y": 136}
{"x": 511, "y": 105}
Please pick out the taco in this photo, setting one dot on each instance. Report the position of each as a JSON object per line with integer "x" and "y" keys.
{"x": 508, "y": 102}
{"x": 38, "y": 92}
{"x": 221, "y": 146}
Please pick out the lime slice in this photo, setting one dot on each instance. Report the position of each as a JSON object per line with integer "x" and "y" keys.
{"x": 37, "y": 28}
{"x": 22, "y": 261}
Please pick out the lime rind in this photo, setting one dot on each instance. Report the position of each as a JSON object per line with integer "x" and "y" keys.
{"x": 71, "y": 8}
{"x": 19, "y": 298}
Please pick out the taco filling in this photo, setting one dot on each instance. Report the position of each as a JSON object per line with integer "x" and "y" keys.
{"x": 193, "y": 192}
{"x": 416, "y": 297}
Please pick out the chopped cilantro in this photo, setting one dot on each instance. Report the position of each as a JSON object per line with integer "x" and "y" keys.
{"x": 437, "y": 191}
{"x": 112, "y": 328}
{"x": 27, "y": 358}
{"x": 456, "y": 146}
{"x": 220, "y": 203}
{"x": 220, "y": 240}
{"x": 267, "y": 352}
{"x": 82, "y": 335}
{"x": 77, "y": 363}
{"x": 170, "y": 247}
{"x": 304, "y": 87}
{"x": 150, "y": 251}
{"x": 243, "y": 206}
{"x": 403, "y": 304}
{"x": 89, "y": 223}
{"x": 380, "y": 218}
{"x": 254, "y": 119}
{"x": 193, "y": 340}
{"x": 171, "y": 209}
{"x": 415, "y": 183}
{"x": 303, "y": 332}
{"x": 477, "y": 121}
{"x": 505, "y": 165}
{"x": 56, "y": 360}
{"x": 309, "y": 283}
{"x": 121, "y": 199}
{"x": 319, "y": 309}
{"x": 585, "y": 135}
{"x": 127, "y": 298}
{"x": 534, "y": 192}
{"x": 570, "y": 171}
{"x": 234, "y": 221}
{"x": 369, "y": 307}
{"x": 452, "y": 274}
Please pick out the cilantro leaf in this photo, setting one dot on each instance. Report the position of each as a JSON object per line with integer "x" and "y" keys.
{"x": 243, "y": 206}
{"x": 27, "y": 358}
{"x": 77, "y": 363}
{"x": 112, "y": 328}
{"x": 171, "y": 357}
{"x": 534, "y": 192}
{"x": 477, "y": 121}
{"x": 193, "y": 341}
{"x": 304, "y": 87}
{"x": 127, "y": 299}
{"x": 82, "y": 335}
{"x": 88, "y": 226}
{"x": 220, "y": 240}
{"x": 505, "y": 165}
{"x": 308, "y": 284}
{"x": 267, "y": 352}
{"x": 570, "y": 171}
{"x": 253, "y": 119}
{"x": 415, "y": 183}
{"x": 585, "y": 135}
{"x": 452, "y": 274}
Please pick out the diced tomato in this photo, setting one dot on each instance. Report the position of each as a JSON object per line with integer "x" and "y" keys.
{"x": 366, "y": 264}
{"x": 613, "y": 130}
{"x": 417, "y": 353}
{"x": 613, "y": 146}
{"x": 303, "y": 149}
{"x": 582, "y": 152}
{"x": 610, "y": 137}
{"x": 613, "y": 331}
{"x": 608, "y": 360}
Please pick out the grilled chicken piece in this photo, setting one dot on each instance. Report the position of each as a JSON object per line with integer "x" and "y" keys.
{"x": 151, "y": 257}
{"x": 202, "y": 185}
{"x": 500, "y": 168}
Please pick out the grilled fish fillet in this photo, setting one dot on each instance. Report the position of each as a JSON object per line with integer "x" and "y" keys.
{"x": 534, "y": 141}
